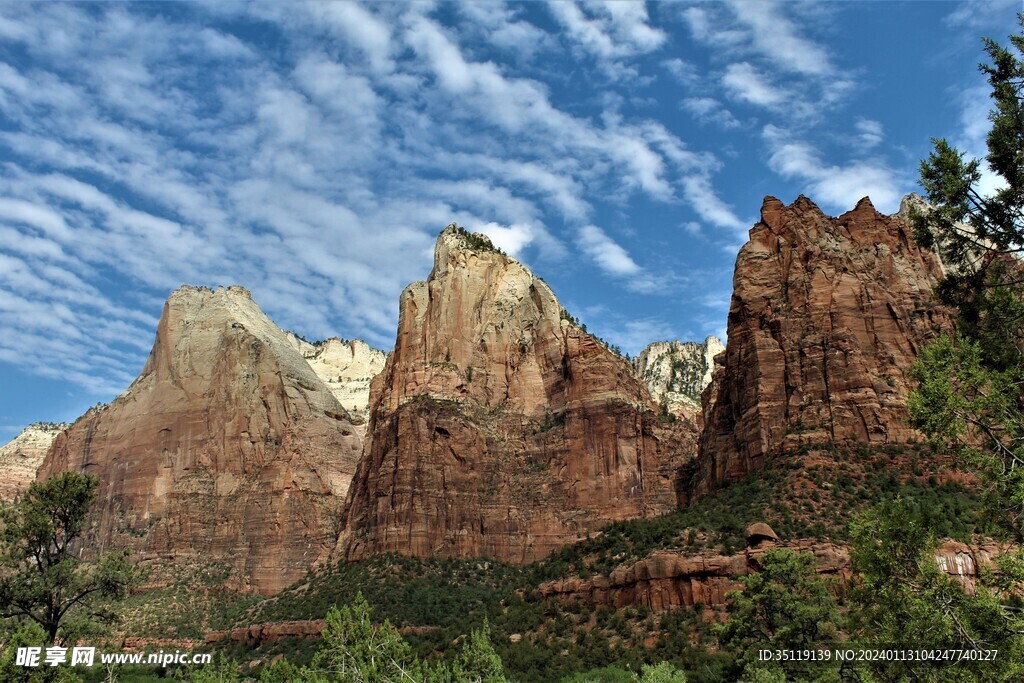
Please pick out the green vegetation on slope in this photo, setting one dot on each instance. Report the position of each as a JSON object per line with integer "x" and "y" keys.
{"x": 811, "y": 493}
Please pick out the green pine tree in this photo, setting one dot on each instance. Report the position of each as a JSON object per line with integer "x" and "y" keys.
{"x": 42, "y": 578}
{"x": 478, "y": 662}
{"x": 357, "y": 651}
{"x": 785, "y": 606}
{"x": 971, "y": 398}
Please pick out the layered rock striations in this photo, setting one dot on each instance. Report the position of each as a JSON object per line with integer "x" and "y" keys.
{"x": 676, "y": 373}
{"x": 498, "y": 427}
{"x": 669, "y": 579}
{"x": 347, "y": 368}
{"x": 21, "y": 457}
{"x": 826, "y": 320}
{"x": 226, "y": 449}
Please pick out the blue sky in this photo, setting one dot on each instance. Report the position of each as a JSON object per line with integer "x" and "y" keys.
{"x": 312, "y": 152}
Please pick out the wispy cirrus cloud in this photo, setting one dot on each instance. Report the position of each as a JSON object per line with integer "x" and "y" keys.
{"x": 775, "y": 36}
{"x": 710, "y": 110}
{"x": 274, "y": 146}
{"x": 745, "y": 82}
{"x": 313, "y": 150}
{"x": 836, "y": 186}
{"x": 609, "y": 29}
{"x": 611, "y": 257}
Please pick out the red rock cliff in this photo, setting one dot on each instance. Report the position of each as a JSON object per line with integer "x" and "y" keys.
{"x": 498, "y": 427}
{"x": 826, "y": 320}
{"x": 668, "y": 579}
{"x": 226, "y": 449}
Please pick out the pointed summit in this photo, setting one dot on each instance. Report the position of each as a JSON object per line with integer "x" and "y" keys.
{"x": 499, "y": 427}
{"x": 454, "y": 245}
{"x": 227, "y": 448}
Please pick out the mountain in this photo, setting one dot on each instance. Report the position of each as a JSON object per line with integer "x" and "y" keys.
{"x": 21, "y": 457}
{"x": 227, "y": 449}
{"x": 346, "y": 367}
{"x": 826, "y": 320}
{"x": 500, "y": 428}
{"x": 676, "y": 373}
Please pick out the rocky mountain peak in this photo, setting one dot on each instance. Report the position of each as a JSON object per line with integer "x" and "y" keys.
{"x": 346, "y": 367}
{"x": 228, "y": 448}
{"x": 826, "y": 320}
{"x": 914, "y": 203}
{"x": 455, "y": 245}
{"x": 198, "y": 318}
{"x": 479, "y": 310}
{"x": 499, "y": 427}
{"x": 676, "y": 373}
{"x": 21, "y": 457}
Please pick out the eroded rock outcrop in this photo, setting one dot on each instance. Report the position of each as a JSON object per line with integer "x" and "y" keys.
{"x": 265, "y": 634}
{"x": 226, "y": 449}
{"x": 669, "y": 579}
{"x": 347, "y": 368}
{"x": 827, "y": 318}
{"x": 21, "y": 457}
{"x": 498, "y": 427}
{"x": 676, "y": 373}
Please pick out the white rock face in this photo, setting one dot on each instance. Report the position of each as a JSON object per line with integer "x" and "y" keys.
{"x": 914, "y": 202}
{"x": 347, "y": 367}
{"x": 677, "y": 372}
{"x": 21, "y": 457}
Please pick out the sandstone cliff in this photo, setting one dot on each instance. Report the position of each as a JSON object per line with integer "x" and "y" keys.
{"x": 669, "y": 579}
{"x": 346, "y": 367}
{"x": 498, "y": 427}
{"x": 676, "y": 373}
{"x": 21, "y": 457}
{"x": 226, "y": 449}
{"x": 826, "y": 320}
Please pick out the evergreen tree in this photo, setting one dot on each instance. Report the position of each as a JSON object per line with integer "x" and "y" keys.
{"x": 785, "y": 606}
{"x": 356, "y": 650}
{"x": 971, "y": 397}
{"x": 901, "y": 599}
{"x": 661, "y": 673}
{"x": 975, "y": 233}
{"x": 41, "y": 577}
{"x": 478, "y": 662}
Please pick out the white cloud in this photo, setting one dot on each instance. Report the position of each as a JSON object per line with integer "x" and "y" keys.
{"x": 710, "y": 110}
{"x": 975, "y": 16}
{"x": 777, "y": 39}
{"x": 708, "y": 204}
{"x": 518, "y": 105}
{"x": 710, "y": 29}
{"x": 837, "y": 186}
{"x": 745, "y": 82}
{"x": 349, "y": 97}
{"x": 769, "y": 60}
{"x": 149, "y": 151}
{"x": 356, "y": 25}
{"x": 684, "y": 72}
{"x": 511, "y": 239}
{"x": 609, "y": 29}
{"x": 500, "y": 26}
{"x": 870, "y": 132}
{"x": 611, "y": 258}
